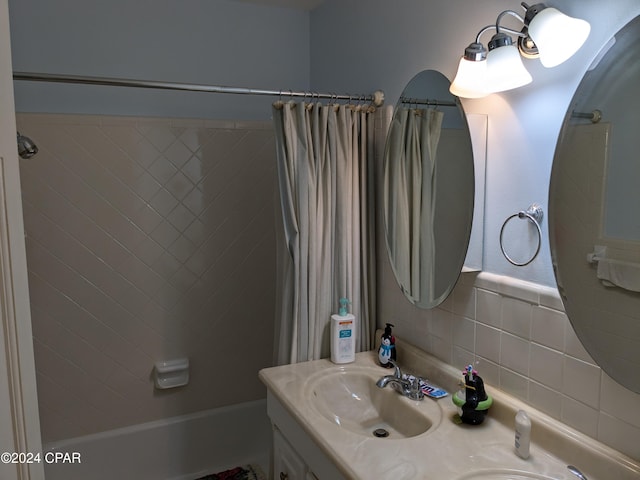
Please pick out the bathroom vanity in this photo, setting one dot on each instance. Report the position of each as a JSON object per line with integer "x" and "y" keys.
{"x": 325, "y": 416}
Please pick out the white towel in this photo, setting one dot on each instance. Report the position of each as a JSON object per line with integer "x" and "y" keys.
{"x": 618, "y": 273}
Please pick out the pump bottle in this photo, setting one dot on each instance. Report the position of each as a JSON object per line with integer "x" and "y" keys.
{"x": 343, "y": 335}
{"x": 387, "y": 349}
{"x": 523, "y": 434}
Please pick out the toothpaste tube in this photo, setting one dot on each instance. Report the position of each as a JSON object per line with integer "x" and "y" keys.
{"x": 432, "y": 391}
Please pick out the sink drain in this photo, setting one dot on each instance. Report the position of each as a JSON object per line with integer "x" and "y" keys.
{"x": 380, "y": 433}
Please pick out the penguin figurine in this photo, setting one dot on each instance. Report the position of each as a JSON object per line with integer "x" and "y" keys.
{"x": 474, "y": 393}
{"x": 387, "y": 349}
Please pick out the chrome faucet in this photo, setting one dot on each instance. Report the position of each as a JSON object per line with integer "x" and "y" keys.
{"x": 408, "y": 388}
{"x": 576, "y": 472}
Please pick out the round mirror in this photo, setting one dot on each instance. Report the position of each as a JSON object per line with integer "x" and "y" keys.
{"x": 594, "y": 205}
{"x": 428, "y": 189}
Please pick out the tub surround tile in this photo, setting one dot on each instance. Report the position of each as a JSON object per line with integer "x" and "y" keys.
{"x": 132, "y": 251}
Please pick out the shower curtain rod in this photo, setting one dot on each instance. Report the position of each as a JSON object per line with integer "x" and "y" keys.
{"x": 427, "y": 101}
{"x": 376, "y": 98}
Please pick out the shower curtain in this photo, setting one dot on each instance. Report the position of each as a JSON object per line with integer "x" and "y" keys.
{"x": 325, "y": 174}
{"x": 409, "y": 195}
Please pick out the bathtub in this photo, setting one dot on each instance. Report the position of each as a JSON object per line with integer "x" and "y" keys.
{"x": 177, "y": 448}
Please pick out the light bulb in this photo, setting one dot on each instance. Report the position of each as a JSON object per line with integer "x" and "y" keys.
{"x": 557, "y": 36}
{"x": 505, "y": 70}
{"x": 470, "y": 81}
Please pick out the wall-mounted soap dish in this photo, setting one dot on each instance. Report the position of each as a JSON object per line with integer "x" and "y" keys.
{"x": 171, "y": 373}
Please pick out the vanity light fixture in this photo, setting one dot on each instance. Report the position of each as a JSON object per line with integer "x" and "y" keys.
{"x": 547, "y": 34}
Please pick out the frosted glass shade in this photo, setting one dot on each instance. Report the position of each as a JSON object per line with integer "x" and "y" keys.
{"x": 557, "y": 35}
{"x": 505, "y": 69}
{"x": 470, "y": 81}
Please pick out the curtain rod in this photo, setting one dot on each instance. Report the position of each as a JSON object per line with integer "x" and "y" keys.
{"x": 377, "y": 98}
{"x": 427, "y": 101}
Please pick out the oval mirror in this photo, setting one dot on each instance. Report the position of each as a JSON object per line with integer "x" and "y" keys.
{"x": 594, "y": 205}
{"x": 428, "y": 189}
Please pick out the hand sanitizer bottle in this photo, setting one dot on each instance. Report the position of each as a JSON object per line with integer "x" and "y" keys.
{"x": 343, "y": 335}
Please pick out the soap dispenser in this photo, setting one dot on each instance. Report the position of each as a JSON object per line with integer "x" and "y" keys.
{"x": 387, "y": 349}
{"x": 343, "y": 334}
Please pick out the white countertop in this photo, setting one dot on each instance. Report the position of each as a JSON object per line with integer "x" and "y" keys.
{"x": 452, "y": 450}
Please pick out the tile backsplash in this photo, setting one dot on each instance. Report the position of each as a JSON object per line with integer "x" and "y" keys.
{"x": 147, "y": 239}
{"x": 520, "y": 340}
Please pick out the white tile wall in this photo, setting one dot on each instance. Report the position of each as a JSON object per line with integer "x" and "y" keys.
{"x": 147, "y": 239}
{"x": 521, "y": 342}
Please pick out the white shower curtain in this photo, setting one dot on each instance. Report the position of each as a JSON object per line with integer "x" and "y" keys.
{"x": 325, "y": 175}
{"x": 410, "y": 189}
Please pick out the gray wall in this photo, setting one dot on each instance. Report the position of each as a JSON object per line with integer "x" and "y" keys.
{"x": 217, "y": 42}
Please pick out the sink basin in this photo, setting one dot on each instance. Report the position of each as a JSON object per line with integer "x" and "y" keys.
{"x": 503, "y": 474}
{"x": 350, "y": 399}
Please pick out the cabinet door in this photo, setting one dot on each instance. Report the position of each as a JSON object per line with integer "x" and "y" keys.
{"x": 287, "y": 464}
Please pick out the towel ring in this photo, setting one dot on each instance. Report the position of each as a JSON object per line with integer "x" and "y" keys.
{"x": 534, "y": 214}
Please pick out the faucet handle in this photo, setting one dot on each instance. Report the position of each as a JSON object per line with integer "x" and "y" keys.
{"x": 398, "y": 372}
{"x": 415, "y": 391}
{"x": 415, "y": 383}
